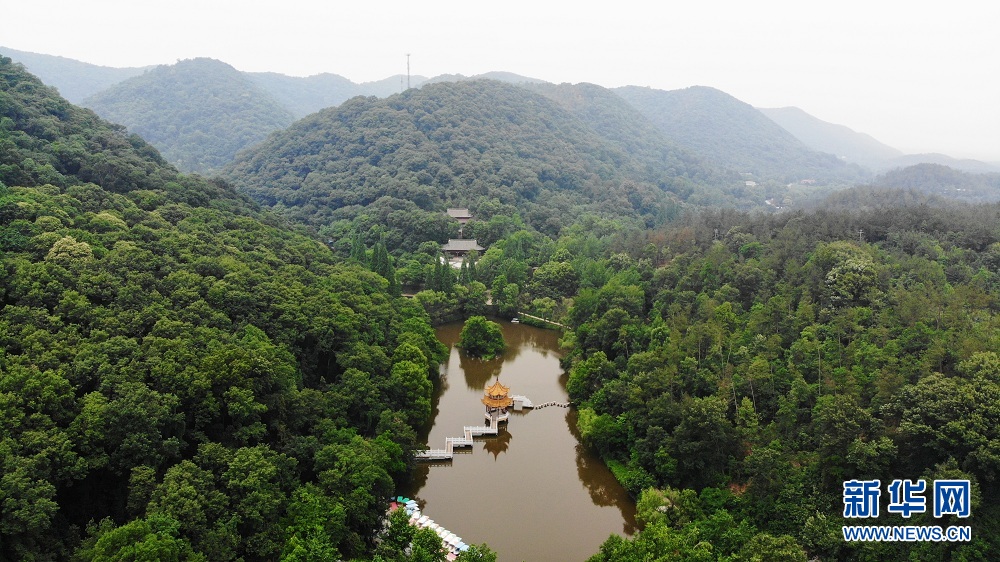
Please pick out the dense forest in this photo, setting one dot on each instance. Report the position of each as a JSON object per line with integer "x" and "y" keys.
{"x": 736, "y": 384}
{"x": 198, "y": 112}
{"x": 186, "y": 375}
{"x": 181, "y": 375}
{"x": 735, "y": 369}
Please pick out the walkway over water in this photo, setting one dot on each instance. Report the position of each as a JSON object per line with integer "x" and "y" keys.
{"x": 547, "y": 404}
{"x": 470, "y": 432}
{"x": 565, "y": 501}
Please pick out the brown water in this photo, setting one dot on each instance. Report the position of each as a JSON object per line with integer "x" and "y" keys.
{"x": 534, "y": 492}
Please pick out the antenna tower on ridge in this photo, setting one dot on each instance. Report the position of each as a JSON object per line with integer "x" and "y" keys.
{"x": 407, "y": 71}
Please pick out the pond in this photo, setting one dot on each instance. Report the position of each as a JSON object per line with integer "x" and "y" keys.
{"x": 533, "y": 492}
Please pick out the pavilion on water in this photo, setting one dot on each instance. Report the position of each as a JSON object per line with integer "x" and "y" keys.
{"x": 497, "y": 400}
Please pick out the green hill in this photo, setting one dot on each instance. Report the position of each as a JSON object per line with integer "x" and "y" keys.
{"x": 197, "y": 112}
{"x": 182, "y": 376}
{"x": 47, "y": 140}
{"x": 730, "y": 133}
{"x": 404, "y": 159}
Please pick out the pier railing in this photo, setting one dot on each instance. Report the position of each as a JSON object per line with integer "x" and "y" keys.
{"x": 470, "y": 432}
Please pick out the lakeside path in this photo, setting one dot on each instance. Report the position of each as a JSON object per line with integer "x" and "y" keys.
{"x": 563, "y": 326}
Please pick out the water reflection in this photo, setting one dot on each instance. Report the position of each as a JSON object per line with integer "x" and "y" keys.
{"x": 497, "y": 444}
{"x": 544, "y": 513}
{"x": 478, "y": 372}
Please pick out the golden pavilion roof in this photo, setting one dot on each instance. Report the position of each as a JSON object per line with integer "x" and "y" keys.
{"x": 496, "y": 389}
{"x": 496, "y": 396}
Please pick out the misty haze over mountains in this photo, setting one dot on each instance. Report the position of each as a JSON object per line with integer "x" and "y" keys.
{"x": 201, "y": 112}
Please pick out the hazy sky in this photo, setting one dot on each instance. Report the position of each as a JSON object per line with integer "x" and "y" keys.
{"x": 919, "y": 76}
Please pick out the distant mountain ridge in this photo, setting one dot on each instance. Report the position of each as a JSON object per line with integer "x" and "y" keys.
{"x": 783, "y": 145}
{"x": 835, "y": 139}
{"x": 303, "y": 96}
{"x": 625, "y": 126}
{"x": 861, "y": 148}
{"x": 75, "y": 80}
{"x": 962, "y": 164}
{"x": 197, "y": 112}
{"x": 731, "y": 133}
{"x": 500, "y": 76}
{"x": 943, "y": 181}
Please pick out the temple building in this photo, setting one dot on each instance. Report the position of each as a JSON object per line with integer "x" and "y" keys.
{"x": 463, "y": 216}
{"x": 459, "y": 247}
{"x": 497, "y": 400}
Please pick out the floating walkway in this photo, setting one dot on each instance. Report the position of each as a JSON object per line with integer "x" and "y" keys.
{"x": 522, "y": 402}
{"x": 470, "y": 432}
{"x": 450, "y": 443}
{"x": 547, "y": 404}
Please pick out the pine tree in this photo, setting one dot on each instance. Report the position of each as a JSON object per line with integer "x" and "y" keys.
{"x": 359, "y": 252}
{"x": 473, "y": 257}
{"x": 447, "y": 277}
{"x": 381, "y": 263}
{"x": 463, "y": 273}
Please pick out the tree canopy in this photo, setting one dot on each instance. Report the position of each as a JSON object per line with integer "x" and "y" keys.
{"x": 481, "y": 338}
{"x": 181, "y": 375}
{"x": 734, "y": 388}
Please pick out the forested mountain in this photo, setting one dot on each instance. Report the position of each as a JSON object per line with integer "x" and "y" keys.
{"x": 74, "y": 79}
{"x": 730, "y": 133}
{"x": 197, "y": 112}
{"x": 497, "y": 148}
{"x": 182, "y": 376}
{"x": 617, "y": 121}
{"x": 77, "y": 81}
{"x": 833, "y": 139}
